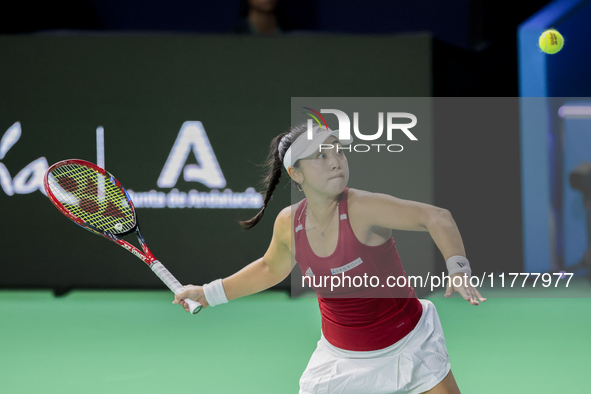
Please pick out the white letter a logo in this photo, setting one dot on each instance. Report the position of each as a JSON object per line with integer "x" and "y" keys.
{"x": 192, "y": 137}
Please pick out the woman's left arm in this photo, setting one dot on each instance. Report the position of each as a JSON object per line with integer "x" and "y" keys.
{"x": 390, "y": 212}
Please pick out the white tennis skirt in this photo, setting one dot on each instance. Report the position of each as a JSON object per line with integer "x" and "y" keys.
{"x": 413, "y": 365}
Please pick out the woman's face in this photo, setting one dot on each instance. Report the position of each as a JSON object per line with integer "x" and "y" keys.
{"x": 325, "y": 172}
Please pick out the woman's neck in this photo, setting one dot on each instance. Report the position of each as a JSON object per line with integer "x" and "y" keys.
{"x": 320, "y": 208}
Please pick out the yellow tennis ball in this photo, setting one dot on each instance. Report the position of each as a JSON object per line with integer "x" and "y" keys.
{"x": 551, "y": 41}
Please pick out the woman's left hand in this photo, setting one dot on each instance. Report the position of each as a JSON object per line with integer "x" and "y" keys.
{"x": 465, "y": 289}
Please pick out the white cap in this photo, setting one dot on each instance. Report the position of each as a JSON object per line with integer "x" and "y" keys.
{"x": 304, "y": 147}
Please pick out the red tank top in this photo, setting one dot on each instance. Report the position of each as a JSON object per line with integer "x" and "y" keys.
{"x": 358, "y": 316}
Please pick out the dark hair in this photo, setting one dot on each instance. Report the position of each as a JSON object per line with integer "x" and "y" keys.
{"x": 274, "y": 165}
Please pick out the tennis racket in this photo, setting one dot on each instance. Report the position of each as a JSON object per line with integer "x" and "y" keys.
{"x": 96, "y": 201}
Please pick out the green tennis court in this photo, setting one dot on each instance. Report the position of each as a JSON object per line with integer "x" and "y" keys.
{"x": 138, "y": 342}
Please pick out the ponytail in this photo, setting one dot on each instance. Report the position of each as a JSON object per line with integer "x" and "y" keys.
{"x": 274, "y": 165}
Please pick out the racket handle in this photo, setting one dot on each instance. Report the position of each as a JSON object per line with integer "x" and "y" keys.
{"x": 174, "y": 285}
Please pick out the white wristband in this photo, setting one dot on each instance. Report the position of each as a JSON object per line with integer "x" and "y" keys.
{"x": 215, "y": 293}
{"x": 458, "y": 264}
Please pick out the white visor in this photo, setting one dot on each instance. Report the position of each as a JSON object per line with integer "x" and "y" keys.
{"x": 304, "y": 147}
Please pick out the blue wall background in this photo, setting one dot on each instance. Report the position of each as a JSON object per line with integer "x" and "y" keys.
{"x": 546, "y": 82}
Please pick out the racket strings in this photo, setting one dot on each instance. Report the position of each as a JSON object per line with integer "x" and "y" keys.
{"x": 92, "y": 197}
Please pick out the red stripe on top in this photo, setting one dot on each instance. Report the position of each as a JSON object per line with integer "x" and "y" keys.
{"x": 358, "y": 318}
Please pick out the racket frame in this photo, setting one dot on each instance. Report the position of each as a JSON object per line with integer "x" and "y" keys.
{"x": 146, "y": 256}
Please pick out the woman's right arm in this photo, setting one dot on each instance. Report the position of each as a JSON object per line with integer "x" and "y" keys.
{"x": 259, "y": 275}
{"x": 270, "y": 269}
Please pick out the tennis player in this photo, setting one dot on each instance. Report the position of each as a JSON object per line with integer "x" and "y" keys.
{"x": 374, "y": 339}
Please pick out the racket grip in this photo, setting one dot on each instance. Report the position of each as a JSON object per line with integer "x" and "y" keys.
{"x": 174, "y": 285}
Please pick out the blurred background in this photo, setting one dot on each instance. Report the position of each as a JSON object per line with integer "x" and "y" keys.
{"x": 119, "y": 82}
{"x": 475, "y": 46}
{"x": 180, "y": 99}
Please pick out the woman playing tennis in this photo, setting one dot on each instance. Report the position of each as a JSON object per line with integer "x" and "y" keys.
{"x": 374, "y": 339}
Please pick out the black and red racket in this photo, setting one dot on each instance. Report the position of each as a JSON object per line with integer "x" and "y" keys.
{"x": 96, "y": 201}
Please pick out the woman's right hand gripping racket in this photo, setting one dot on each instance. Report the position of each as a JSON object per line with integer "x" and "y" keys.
{"x": 96, "y": 201}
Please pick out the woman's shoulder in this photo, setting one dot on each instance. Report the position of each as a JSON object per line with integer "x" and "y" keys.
{"x": 360, "y": 197}
{"x": 285, "y": 218}
{"x": 364, "y": 203}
